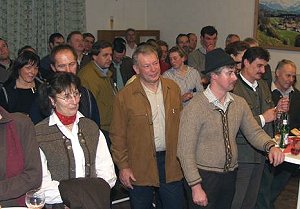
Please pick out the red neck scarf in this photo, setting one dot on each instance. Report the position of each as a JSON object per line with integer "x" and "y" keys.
{"x": 66, "y": 120}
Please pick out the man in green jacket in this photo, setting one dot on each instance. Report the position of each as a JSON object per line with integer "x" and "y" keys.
{"x": 97, "y": 77}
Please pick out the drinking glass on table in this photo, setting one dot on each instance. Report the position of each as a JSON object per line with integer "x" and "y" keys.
{"x": 35, "y": 199}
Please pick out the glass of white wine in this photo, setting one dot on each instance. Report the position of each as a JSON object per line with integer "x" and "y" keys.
{"x": 35, "y": 199}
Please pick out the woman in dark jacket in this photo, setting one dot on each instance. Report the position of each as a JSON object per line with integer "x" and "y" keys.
{"x": 19, "y": 92}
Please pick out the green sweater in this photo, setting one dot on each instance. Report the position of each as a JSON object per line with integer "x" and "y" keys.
{"x": 201, "y": 139}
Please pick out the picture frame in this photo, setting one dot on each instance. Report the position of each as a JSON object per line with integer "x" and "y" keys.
{"x": 277, "y": 24}
{"x": 141, "y": 35}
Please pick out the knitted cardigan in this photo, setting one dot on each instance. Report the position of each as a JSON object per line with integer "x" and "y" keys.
{"x": 201, "y": 139}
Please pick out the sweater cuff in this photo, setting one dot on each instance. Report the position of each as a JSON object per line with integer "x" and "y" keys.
{"x": 268, "y": 145}
{"x": 195, "y": 182}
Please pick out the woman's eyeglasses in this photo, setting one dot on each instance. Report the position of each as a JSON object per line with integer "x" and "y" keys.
{"x": 69, "y": 96}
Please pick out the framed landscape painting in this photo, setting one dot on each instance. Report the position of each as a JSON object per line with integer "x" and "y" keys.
{"x": 277, "y": 24}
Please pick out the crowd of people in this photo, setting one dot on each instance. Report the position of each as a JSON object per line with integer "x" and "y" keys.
{"x": 177, "y": 128}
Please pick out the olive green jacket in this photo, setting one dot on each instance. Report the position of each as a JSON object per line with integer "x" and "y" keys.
{"x": 103, "y": 90}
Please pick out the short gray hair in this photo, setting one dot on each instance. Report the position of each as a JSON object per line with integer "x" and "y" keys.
{"x": 144, "y": 49}
{"x": 285, "y": 62}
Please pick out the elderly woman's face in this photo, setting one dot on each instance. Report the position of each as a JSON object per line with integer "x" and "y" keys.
{"x": 28, "y": 73}
{"x": 67, "y": 102}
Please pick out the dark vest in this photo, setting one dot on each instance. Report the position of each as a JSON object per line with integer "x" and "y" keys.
{"x": 58, "y": 148}
{"x": 259, "y": 102}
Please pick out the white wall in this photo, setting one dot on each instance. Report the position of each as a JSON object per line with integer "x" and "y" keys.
{"x": 126, "y": 13}
{"x": 172, "y": 17}
{"x": 192, "y": 15}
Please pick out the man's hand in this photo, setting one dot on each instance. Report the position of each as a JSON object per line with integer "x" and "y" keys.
{"x": 210, "y": 47}
{"x": 204, "y": 81}
{"x": 126, "y": 177}
{"x": 283, "y": 104}
{"x": 186, "y": 97}
{"x": 199, "y": 196}
{"x": 276, "y": 156}
{"x": 269, "y": 115}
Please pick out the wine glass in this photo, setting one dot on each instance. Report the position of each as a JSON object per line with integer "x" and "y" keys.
{"x": 35, "y": 199}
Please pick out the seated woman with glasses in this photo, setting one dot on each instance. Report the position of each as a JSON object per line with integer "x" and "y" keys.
{"x": 71, "y": 146}
{"x": 19, "y": 92}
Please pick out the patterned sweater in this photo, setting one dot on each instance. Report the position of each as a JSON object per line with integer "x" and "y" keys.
{"x": 201, "y": 143}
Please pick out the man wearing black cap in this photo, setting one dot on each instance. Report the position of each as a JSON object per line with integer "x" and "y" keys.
{"x": 207, "y": 148}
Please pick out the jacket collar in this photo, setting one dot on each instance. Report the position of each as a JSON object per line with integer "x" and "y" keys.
{"x": 246, "y": 83}
{"x": 286, "y": 93}
{"x": 99, "y": 72}
{"x": 138, "y": 88}
{"x": 252, "y": 86}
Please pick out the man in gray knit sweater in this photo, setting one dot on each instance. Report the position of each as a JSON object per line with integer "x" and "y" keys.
{"x": 207, "y": 148}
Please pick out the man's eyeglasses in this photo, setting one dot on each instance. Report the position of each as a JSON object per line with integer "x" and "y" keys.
{"x": 69, "y": 96}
